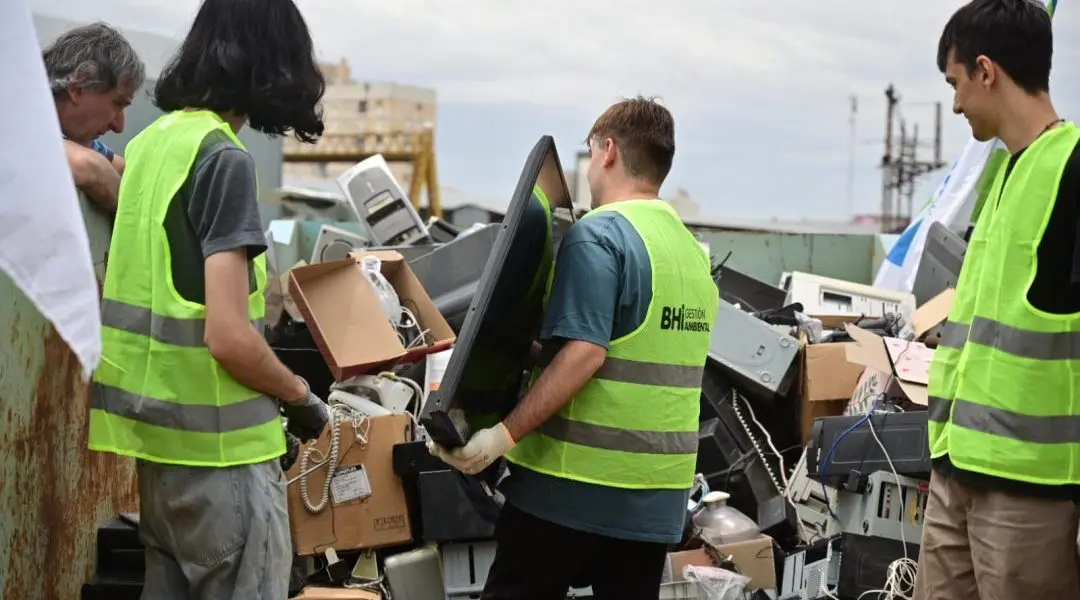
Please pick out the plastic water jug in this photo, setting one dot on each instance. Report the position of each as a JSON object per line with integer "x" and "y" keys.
{"x": 721, "y": 524}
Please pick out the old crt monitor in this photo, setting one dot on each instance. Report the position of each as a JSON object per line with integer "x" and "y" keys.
{"x": 488, "y": 367}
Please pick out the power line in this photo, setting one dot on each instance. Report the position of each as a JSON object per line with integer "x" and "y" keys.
{"x": 901, "y": 165}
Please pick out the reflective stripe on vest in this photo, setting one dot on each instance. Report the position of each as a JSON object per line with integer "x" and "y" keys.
{"x": 175, "y": 331}
{"x": 158, "y": 393}
{"x": 1003, "y": 398}
{"x": 635, "y": 424}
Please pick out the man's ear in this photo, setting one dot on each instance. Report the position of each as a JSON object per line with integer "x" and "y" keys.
{"x": 75, "y": 92}
{"x": 985, "y": 71}
{"x": 611, "y": 152}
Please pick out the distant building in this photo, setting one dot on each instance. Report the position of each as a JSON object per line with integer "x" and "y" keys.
{"x": 369, "y": 117}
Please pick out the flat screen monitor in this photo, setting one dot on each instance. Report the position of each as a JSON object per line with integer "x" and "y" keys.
{"x": 488, "y": 368}
{"x": 939, "y": 266}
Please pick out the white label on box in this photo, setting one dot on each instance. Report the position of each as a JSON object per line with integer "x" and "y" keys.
{"x": 350, "y": 483}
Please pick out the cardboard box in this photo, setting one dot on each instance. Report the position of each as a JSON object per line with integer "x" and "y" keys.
{"x": 907, "y": 362}
{"x": 351, "y": 520}
{"x": 829, "y": 375}
{"x": 346, "y": 319}
{"x": 754, "y": 558}
{"x": 326, "y": 593}
{"x": 812, "y": 411}
{"x": 827, "y": 382}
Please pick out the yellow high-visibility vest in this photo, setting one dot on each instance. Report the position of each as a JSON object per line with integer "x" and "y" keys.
{"x": 158, "y": 394}
{"x": 1004, "y": 381}
{"x": 635, "y": 424}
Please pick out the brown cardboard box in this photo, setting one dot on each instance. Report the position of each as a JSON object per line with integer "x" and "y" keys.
{"x": 827, "y": 382}
{"x": 811, "y": 411}
{"x": 838, "y": 378}
{"x": 754, "y": 558}
{"x": 829, "y": 375}
{"x": 347, "y": 322}
{"x": 907, "y": 362}
{"x": 381, "y": 519}
{"x": 290, "y": 303}
{"x": 325, "y": 593}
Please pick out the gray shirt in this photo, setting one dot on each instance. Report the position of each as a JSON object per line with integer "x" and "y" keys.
{"x": 601, "y": 292}
{"x": 216, "y": 210}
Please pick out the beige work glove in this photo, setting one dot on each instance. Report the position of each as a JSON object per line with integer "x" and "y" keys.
{"x": 482, "y": 450}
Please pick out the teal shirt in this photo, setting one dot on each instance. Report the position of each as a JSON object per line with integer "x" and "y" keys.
{"x": 601, "y": 291}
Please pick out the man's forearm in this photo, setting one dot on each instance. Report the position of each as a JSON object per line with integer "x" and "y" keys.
{"x": 251, "y": 361}
{"x": 104, "y": 190}
{"x": 94, "y": 176}
{"x": 573, "y": 367}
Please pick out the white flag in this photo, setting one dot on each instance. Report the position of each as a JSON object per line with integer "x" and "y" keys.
{"x": 44, "y": 248}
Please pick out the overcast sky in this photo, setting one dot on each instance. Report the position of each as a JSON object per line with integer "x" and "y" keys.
{"x": 760, "y": 90}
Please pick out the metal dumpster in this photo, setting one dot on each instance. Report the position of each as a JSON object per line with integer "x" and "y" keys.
{"x": 54, "y": 492}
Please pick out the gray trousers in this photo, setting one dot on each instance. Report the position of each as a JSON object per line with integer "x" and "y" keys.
{"x": 215, "y": 533}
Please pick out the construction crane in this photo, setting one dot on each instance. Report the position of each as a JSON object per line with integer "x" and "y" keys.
{"x": 420, "y": 153}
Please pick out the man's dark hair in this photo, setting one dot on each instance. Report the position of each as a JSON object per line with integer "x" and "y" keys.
{"x": 253, "y": 58}
{"x": 1015, "y": 34}
{"x": 645, "y": 134}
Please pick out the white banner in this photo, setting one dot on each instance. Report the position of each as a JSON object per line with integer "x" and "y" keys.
{"x": 44, "y": 247}
{"x": 965, "y": 185}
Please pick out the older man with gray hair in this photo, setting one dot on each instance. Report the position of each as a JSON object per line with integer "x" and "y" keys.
{"x": 94, "y": 73}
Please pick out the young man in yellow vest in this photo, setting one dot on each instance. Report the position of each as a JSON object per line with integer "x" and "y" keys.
{"x": 602, "y": 447}
{"x": 1001, "y": 521}
{"x": 187, "y": 384}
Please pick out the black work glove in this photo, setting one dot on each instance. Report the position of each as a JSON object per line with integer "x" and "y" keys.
{"x": 308, "y": 417}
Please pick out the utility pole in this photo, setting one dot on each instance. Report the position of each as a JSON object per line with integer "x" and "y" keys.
{"x": 901, "y": 165}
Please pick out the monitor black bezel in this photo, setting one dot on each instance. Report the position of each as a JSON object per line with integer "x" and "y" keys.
{"x": 435, "y": 416}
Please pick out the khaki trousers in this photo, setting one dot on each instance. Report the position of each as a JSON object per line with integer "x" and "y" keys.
{"x": 980, "y": 544}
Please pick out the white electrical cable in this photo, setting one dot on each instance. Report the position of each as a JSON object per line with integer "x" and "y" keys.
{"x": 418, "y": 395}
{"x": 735, "y": 397}
{"x": 768, "y": 439}
{"x": 901, "y": 574}
{"x": 413, "y": 323}
{"x": 339, "y": 413}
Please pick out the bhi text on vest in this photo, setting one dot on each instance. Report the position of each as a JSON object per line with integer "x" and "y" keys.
{"x": 683, "y": 318}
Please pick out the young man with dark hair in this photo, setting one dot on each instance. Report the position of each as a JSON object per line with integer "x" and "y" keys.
{"x": 602, "y": 448}
{"x": 1001, "y": 520}
{"x": 187, "y": 384}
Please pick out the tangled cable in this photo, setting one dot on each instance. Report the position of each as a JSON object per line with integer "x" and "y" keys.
{"x": 339, "y": 413}
{"x": 899, "y": 582}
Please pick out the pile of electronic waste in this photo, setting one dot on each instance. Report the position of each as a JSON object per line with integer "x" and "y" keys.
{"x": 812, "y": 447}
{"x": 812, "y": 461}
{"x": 813, "y": 419}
